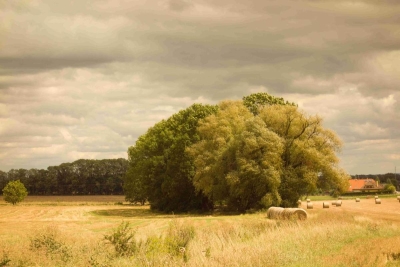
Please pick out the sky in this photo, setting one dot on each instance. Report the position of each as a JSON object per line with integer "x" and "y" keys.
{"x": 84, "y": 79}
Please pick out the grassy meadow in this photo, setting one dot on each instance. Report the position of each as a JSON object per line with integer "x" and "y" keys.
{"x": 106, "y": 231}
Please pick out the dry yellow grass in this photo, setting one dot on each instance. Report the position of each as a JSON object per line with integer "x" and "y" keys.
{"x": 329, "y": 237}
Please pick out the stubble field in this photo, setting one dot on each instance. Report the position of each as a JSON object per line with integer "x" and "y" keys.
{"x": 69, "y": 231}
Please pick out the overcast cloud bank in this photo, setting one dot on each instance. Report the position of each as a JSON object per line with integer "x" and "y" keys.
{"x": 85, "y": 79}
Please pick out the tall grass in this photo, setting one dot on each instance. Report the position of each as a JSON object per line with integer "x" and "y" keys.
{"x": 325, "y": 239}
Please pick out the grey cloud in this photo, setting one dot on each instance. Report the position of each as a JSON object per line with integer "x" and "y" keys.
{"x": 105, "y": 71}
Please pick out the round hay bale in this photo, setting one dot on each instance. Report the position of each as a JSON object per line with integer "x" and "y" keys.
{"x": 398, "y": 198}
{"x": 377, "y": 201}
{"x": 357, "y": 199}
{"x": 309, "y": 205}
{"x": 288, "y": 213}
{"x": 295, "y": 213}
{"x": 338, "y": 203}
{"x": 376, "y": 197}
{"x": 325, "y": 205}
{"x": 308, "y": 200}
{"x": 274, "y": 212}
{"x": 333, "y": 203}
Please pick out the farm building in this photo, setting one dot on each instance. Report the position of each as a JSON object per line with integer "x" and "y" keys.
{"x": 364, "y": 185}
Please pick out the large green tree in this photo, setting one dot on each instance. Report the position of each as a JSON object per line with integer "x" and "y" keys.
{"x": 238, "y": 159}
{"x": 273, "y": 156}
{"x": 160, "y": 170}
{"x": 309, "y": 156}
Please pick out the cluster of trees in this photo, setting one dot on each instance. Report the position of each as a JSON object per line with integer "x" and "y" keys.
{"x": 81, "y": 177}
{"x": 247, "y": 154}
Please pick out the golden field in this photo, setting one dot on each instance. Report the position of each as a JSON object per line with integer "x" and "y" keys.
{"x": 355, "y": 234}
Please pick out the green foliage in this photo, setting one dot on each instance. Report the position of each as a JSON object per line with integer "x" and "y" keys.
{"x": 248, "y": 154}
{"x": 238, "y": 159}
{"x": 309, "y": 155}
{"x": 160, "y": 169}
{"x": 14, "y": 192}
{"x": 81, "y": 177}
{"x": 123, "y": 240}
{"x": 134, "y": 187}
{"x": 254, "y": 161}
{"x": 389, "y": 188}
{"x": 259, "y": 100}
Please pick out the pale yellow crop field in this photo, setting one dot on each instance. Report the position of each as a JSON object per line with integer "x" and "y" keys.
{"x": 337, "y": 236}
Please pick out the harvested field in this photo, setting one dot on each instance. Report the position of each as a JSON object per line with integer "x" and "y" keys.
{"x": 337, "y": 236}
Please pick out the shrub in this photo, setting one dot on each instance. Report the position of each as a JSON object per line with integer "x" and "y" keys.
{"x": 49, "y": 241}
{"x": 389, "y": 188}
{"x": 122, "y": 238}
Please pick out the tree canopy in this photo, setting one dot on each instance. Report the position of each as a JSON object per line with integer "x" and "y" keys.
{"x": 238, "y": 159}
{"x": 247, "y": 154}
{"x": 271, "y": 158}
{"x": 159, "y": 168}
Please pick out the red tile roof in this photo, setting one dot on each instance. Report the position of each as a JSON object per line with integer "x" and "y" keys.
{"x": 357, "y": 184}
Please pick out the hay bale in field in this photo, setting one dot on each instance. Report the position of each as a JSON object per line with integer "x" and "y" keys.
{"x": 377, "y": 201}
{"x": 274, "y": 212}
{"x": 288, "y": 213}
{"x": 333, "y": 203}
{"x": 398, "y": 198}
{"x": 325, "y": 205}
{"x": 338, "y": 203}
{"x": 376, "y": 197}
{"x": 308, "y": 200}
{"x": 357, "y": 199}
{"x": 309, "y": 205}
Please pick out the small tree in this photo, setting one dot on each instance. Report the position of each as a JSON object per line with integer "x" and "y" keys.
{"x": 14, "y": 192}
{"x": 389, "y": 188}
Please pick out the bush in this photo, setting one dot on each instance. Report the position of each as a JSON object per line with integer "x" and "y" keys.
{"x": 49, "y": 241}
{"x": 122, "y": 238}
{"x": 178, "y": 237}
{"x": 389, "y": 188}
{"x": 14, "y": 192}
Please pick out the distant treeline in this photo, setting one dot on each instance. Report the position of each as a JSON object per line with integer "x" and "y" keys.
{"x": 388, "y": 178}
{"x": 81, "y": 177}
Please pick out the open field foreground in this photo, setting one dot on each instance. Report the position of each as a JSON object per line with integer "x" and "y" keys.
{"x": 63, "y": 232}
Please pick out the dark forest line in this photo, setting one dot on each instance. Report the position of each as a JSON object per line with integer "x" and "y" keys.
{"x": 81, "y": 177}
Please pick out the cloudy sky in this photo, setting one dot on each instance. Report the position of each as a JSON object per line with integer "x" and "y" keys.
{"x": 84, "y": 79}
